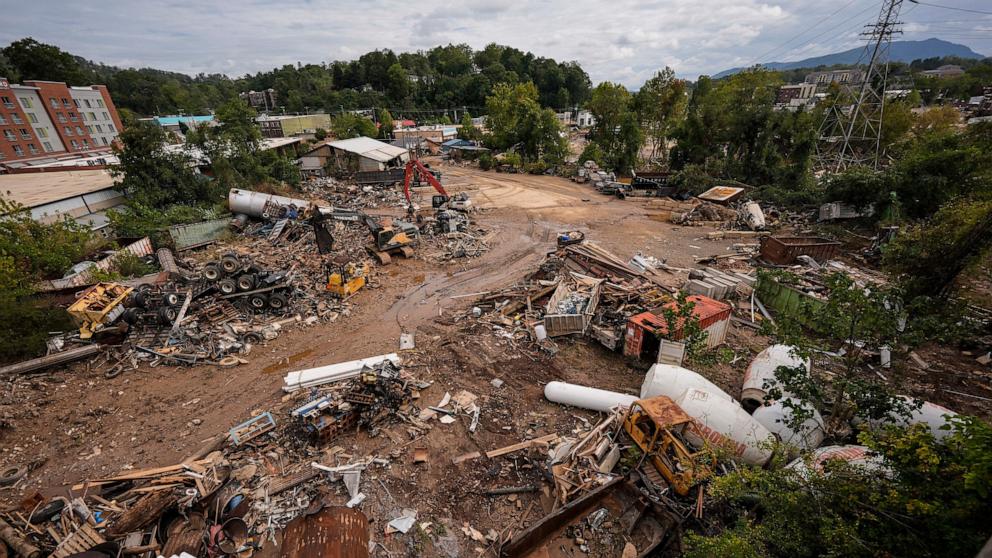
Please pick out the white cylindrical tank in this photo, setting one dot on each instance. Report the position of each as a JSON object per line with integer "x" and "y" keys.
{"x": 724, "y": 423}
{"x": 776, "y": 416}
{"x": 930, "y": 414}
{"x": 672, "y": 381}
{"x": 855, "y": 455}
{"x": 586, "y": 397}
{"x": 253, "y": 203}
{"x": 763, "y": 368}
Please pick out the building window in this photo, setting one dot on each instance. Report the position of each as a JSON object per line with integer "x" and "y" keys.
{"x": 111, "y": 128}
{"x": 86, "y": 143}
{"x": 16, "y": 118}
{"x": 42, "y": 132}
{"x": 18, "y": 151}
{"x": 88, "y": 105}
{"x": 76, "y": 102}
{"x": 54, "y": 102}
{"x": 32, "y": 148}
{"x": 26, "y": 102}
{"x": 33, "y": 117}
{"x": 79, "y": 131}
{"x": 68, "y": 131}
{"x": 66, "y": 103}
{"x": 61, "y": 117}
{"x": 75, "y": 144}
{"x": 92, "y": 116}
{"x": 89, "y": 128}
{"x": 104, "y": 140}
{"x": 9, "y": 135}
{"x": 25, "y": 134}
{"x": 73, "y": 117}
{"x": 106, "y": 116}
{"x": 48, "y": 146}
{"x": 7, "y": 102}
{"x": 99, "y": 128}
{"x": 2, "y": 119}
{"x": 99, "y": 103}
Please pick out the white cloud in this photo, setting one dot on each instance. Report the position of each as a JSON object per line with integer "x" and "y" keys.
{"x": 618, "y": 40}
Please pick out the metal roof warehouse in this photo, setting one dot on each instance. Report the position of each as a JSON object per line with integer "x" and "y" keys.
{"x": 82, "y": 195}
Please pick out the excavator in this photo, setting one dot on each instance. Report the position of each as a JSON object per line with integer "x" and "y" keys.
{"x": 390, "y": 238}
{"x": 416, "y": 169}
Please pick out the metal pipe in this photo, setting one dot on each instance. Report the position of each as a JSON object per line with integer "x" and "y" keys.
{"x": 51, "y": 360}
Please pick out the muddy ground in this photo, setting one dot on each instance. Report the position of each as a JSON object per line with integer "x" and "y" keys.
{"x": 75, "y": 424}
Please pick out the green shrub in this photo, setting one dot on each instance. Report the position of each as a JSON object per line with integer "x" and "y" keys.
{"x": 536, "y": 167}
{"x": 485, "y": 161}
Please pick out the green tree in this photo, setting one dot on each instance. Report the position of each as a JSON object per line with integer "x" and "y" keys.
{"x": 385, "y": 124}
{"x": 468, "y": 131}
{"x": 617, "y": 131}
{"x": 397, "y": 83}
{"x": 350, "y": 125}
{"x": 320, "y": 134}
{"x": 152, "y": 174}
{"x": 39, "y": 61}
{"x": 516, "y": 120}
{"x": 661, "y": 103}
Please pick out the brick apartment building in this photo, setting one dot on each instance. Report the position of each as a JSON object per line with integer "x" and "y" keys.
{"x": 42, "y": 119}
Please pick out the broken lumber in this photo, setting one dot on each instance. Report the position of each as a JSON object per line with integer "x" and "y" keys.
{"x": 145, "y": 511}
{"x": 16, "y": 542}
{"x": 522, "y": 445}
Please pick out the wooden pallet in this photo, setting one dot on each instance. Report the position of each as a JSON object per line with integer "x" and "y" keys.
{"x": 82, "y": 540}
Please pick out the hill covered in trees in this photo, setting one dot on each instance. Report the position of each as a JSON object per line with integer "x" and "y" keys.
{"x": 449, "y": 76}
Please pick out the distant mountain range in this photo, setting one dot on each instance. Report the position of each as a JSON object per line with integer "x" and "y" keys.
{"x": 902, "y": 51}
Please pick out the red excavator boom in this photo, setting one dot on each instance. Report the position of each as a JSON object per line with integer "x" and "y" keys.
{"x": 416, "y": 167}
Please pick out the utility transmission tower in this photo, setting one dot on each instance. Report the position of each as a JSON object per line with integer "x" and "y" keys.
{"x": 851, "y": 134}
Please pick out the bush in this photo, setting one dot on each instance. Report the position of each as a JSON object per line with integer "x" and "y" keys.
{"x": 536, "y": 167}
{"x": 26, "y": 326}
{"x": 141, "y": 220}
{"x": 512, "y": 159}
{"x": 485, "y": 161}
{"x": 592, "y": 152}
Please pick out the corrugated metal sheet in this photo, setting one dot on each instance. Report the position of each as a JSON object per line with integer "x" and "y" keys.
{"x": 334, "y": 532}
{"x": 197, "y": 234}
{"x": 140, "y": 248}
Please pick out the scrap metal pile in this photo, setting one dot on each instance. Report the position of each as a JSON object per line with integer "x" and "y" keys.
{"x": 235, "y": 494}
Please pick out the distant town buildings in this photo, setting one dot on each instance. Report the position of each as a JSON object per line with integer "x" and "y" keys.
{"x": 44, "y": 119}
{"x": 285, "y": 126}
{"x": 261, "y": 100}
{"x": 945, "y": 71}
{"x": 437, "y": 133}
{"x": 849, "y": 76}
{"x": 577, "y": 118}
{"x": 175, "y": 123}
{"x": 792, "y": 97}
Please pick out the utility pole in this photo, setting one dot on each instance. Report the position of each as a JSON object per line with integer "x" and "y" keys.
{"x": 852, "y": 135}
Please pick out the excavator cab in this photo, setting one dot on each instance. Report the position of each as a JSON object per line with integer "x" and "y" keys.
{"x": 658, "y": 426}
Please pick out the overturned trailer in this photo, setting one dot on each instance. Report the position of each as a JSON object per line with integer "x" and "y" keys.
{"x": 571, "y": 306}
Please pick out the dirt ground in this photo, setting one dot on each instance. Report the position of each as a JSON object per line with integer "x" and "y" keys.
{"x": 74, "y": 424}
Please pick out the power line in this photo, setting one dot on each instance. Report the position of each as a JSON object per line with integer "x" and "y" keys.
{"x": 818, "y": 35}
{"x": 970, "y": 11}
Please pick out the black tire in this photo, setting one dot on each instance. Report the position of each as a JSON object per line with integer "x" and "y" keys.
{"x": 227, "y": 286}
{"x": 278, "y": 301}
{"x": 172, "y": 299}
{"x": 230, "y": 263}
{"x": 131, "y": 316}
{"x": 12, "y": 474}
{"x": 212, "y": 272}
{"x": 138, "y": 299}
{"x": 246, "y": 282}
{"x": 258, "y": 301}
{"x": 251, "y": 338}
{"x": 168, "y": 314}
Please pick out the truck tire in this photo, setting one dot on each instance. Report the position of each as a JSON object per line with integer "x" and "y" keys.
{"x": 212, "y": 271}
{"x": 278, "y": 301}
{"x": 12, "y": 474}
{"x": 230, "y": 263}
{"x": 172, "y": 299}
{"x": 227, "y": 286}
{"x": 168, "y": 314}
{"x": 258, "y": 301}
{"x": 137, "y": 299}
{"x": 246, "y": 282}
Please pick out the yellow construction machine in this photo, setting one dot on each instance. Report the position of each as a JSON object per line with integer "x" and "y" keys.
{"x": 98, "y": 306}
{"x": 347, "y": 278}
{"x": 658, "y": 426}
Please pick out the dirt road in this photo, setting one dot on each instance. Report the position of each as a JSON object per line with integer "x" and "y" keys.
{"x": 76, "y": 424}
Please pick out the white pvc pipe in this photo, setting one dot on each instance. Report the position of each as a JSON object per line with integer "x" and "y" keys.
{"x": 586, "y": 397}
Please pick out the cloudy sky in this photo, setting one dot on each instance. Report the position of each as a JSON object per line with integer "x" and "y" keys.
{"x": 617, "y": 40}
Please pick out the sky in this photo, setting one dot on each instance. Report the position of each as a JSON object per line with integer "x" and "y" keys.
{"x": 617, "y": 40}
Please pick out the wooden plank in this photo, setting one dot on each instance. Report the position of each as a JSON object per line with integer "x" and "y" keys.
{"x": 522, "y": 445}
{"x": 135, "y": 475}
